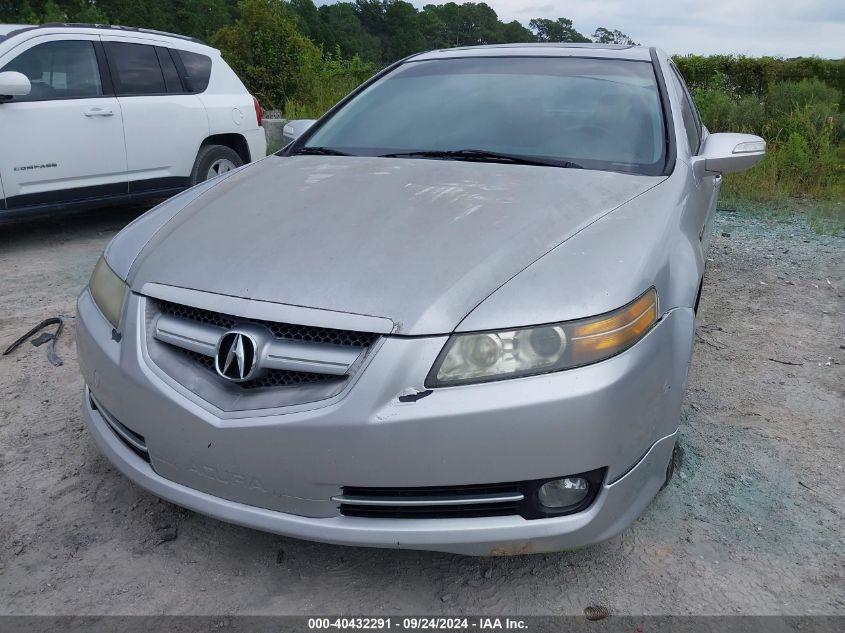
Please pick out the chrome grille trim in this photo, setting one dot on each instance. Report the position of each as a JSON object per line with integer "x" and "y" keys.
{"x": 266, "y": 310}
{"x": 288, "y": 331}
{"x": 284, "y": 354}
{"x": 194, "y": 337}
{"x": 130, "y": 437}
{"x": 432, "y": 502}
{"x": 178, "y": 342}
{"x": 429, "y": 501}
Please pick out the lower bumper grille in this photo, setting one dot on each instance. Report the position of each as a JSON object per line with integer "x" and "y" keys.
{"x": 449, "y": 502}
{"x": 130, "y": 438}
{"x": 432, "y": 512}
{"x": 437, "y": 502}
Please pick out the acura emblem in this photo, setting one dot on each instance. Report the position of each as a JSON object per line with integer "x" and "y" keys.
{"x": 235, "y": 358}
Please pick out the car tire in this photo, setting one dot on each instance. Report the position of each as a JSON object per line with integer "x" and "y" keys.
{"x": 213, "y": 160}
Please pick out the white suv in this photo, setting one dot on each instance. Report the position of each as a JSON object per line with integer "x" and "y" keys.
{"x": 93, "y": 115}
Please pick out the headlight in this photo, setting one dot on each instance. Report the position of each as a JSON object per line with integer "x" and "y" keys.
{"x": 488, "y": 356}
{"x": 108, "y": 291}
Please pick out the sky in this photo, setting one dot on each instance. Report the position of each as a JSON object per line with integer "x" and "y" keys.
{"x": 787, "y": 28}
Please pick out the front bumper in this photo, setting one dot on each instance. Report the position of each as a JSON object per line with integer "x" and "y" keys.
{"x": 277, "y": 471}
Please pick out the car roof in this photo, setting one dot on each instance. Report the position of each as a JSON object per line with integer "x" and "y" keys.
{"x": 545, "y": 49}
{"x": 9, "y": 30}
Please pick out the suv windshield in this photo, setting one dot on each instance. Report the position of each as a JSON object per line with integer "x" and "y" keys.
{"x": 567, "y": 111}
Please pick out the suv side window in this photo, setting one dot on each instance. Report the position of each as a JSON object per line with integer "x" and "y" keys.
{"x": 171, "y": 75}
{"x": 64, "y": 69}
{"x": 692, "y": 120}
{"x": 135, "y": 69}
{"x": 197, "y": 70}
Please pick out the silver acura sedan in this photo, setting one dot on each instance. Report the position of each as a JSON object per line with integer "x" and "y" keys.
{"x": 455, "y": 314}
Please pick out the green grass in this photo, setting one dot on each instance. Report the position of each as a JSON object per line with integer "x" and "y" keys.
{"x": 825, "y": 216}
{"x": 775, "y": 189}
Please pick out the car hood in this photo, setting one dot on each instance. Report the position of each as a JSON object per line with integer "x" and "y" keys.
{"x": 421, "y": 242}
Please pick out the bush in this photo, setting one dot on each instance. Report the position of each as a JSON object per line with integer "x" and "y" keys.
{"x": 268, "y": 53}
{"x": 750, "y": 115}
{"x": 755, "y": 75}
{"x": 718, "y": 108}
{"x": 803, "y": 127}
{"x": 335, "y": 79}
{"x": 794, "y": 158}
{"x": 819, "y": 105}
{"x": 284, "y": 69}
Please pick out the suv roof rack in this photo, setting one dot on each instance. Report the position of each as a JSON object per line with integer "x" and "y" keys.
{"x": 113, "y": 27}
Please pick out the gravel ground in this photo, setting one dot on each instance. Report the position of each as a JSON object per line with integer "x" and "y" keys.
{"x": 752, "y": 521}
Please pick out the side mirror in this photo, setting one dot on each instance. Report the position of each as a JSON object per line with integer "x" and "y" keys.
{"x": 294, "y": 129}
{"x": 726, "y": 152}
{"x": 13, "y": 84}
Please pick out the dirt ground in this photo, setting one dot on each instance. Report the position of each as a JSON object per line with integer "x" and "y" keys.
{"x": 752, "y": 521}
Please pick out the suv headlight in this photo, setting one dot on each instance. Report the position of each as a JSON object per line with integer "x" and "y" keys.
{"x": 108, "y": 291}
{"x": 486, "y": 356}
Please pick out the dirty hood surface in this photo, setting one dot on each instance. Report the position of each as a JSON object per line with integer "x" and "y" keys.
{"x": 421, "y": 242}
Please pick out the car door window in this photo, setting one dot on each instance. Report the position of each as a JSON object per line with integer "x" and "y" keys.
{"x": 689, "y": 114}
{"x": 64, "y": 69}
{"x": 135, "y": 69}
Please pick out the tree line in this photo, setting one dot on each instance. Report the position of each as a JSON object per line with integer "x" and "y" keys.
{"x": 378, "y": 31}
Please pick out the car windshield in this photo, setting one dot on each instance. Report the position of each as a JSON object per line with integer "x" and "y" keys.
{"x": 569, "y": 111}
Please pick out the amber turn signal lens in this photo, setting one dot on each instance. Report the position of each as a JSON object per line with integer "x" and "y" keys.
{"x": 607, "y": 335}
{"x": 526, "y": 351}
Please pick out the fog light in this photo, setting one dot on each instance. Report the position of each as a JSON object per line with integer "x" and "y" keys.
{"x": 561, "y": 493}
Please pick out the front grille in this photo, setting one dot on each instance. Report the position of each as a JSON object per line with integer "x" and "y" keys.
{"x": 273, "y": 377}
{"x": 290, "y": 331}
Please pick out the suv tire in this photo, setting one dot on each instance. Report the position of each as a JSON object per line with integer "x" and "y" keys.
{"x": 213, "y": 160}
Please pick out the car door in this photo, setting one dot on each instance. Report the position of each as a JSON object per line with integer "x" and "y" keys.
{"x": 707, "y": 186}
{"x": 164, "y": 123}
{"x": 64, "y": 141}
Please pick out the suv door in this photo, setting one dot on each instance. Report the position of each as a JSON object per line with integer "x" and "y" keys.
{"x": 164, "y": 123}
{"x": 64, "y": 141}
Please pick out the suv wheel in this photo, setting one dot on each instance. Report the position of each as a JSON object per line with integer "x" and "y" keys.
{"x": 213, "y": 160}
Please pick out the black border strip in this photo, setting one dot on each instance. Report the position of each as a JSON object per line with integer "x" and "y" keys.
{"x": 604, "y": 621}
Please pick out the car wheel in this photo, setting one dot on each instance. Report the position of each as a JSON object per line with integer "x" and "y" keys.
{"x": 213, "y": 160}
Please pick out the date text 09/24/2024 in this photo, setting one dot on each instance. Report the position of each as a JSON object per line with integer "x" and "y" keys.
{"x": 417, "y": 623}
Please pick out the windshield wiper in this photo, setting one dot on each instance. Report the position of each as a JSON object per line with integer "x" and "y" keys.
{"x": 481, "y": 155}
{"x": 319, "y": 151}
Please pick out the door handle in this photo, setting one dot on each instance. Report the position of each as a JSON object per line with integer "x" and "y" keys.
{"x": 98, "y": 112}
